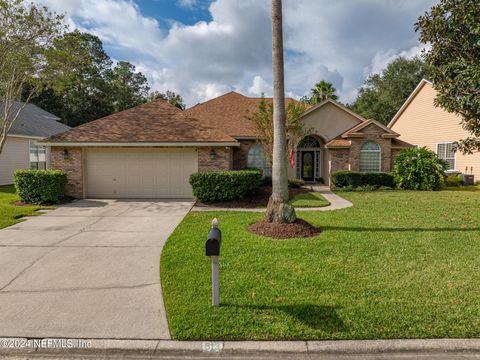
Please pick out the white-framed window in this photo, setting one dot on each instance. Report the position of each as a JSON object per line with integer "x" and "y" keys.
{"x": 38, "y": 156}
{"x": 256, "y": 159}
{"x": 370, "y": 157}
{"x": 445, "y": 151}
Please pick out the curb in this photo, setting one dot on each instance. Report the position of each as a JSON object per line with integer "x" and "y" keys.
{"x": 18, "y": 346}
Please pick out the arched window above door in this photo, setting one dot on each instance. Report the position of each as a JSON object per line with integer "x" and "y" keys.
{"x": 309, "y": 142}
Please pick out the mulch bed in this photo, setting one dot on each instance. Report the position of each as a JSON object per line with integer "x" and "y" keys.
{"x": 298, "y": 229}
{"x": 20, "y": 203}
{"x": 255, "y": 200}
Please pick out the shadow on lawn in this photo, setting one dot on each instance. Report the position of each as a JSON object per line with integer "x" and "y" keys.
{"x": 316, "y": 317}
{"x": 388, "y": 229}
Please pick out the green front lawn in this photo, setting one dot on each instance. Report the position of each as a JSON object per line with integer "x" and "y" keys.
{"x": 309, "y": 200}
{"x": 395, "y": 265}
{"x": 9, "y": 213}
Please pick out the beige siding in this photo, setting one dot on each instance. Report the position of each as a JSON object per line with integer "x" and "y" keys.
{"x": 329, "y": 121}
{"x": 15, "y": 155}
{"x": 423, "y": 124}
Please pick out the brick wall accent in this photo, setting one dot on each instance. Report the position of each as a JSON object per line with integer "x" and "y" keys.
{"x": 73, "y": 166}
{"x": 372, "y": 133}
{"x": 223, "y": 161}
{"x": 338, "y": 160}
{"x": 394, "y": 155}
{"x": 240, "y": 154}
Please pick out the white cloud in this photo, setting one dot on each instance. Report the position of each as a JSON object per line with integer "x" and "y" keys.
{"x": 384, "y": 57}
{"x": 341, "y": 42}
{"x": 259, "y": 87}
{"x": 187, "y": 3}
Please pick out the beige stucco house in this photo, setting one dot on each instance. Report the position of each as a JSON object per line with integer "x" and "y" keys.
{"x": 421, "y": 123}
{"x": 149, "y": 151}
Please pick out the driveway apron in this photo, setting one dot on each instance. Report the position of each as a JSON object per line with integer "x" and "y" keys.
{"x": 89, "y": 269}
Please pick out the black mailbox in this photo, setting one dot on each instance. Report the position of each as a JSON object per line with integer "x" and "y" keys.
{"x": 212, "y": 246}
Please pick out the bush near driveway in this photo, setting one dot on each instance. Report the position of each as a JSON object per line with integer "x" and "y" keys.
{"x": 398, "y": 264}
{"x": 419, "y": 169}
{"x": 354, "y": 179}
{"x": 40, "y": 186}
{"x": 225, "y": 185}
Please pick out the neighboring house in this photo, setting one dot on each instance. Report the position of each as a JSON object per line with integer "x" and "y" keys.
{"x": 149, "y": 151}
{"x": 421, "y": 123}
{"x": 21, "y": 150}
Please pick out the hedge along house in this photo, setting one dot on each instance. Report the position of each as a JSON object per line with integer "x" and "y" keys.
{"x": 149, "y": 151}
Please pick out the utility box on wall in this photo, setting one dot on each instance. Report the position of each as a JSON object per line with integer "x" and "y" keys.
{"x": 468, "y": 179}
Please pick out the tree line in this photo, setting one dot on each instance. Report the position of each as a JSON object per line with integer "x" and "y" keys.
{"x": 89, "y": 85}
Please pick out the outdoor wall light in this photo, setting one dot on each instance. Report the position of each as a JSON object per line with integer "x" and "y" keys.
{"x": 213, "y": 154}
{"x": 66, "y": 155}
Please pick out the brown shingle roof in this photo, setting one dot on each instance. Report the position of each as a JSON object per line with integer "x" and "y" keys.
{"x": 339, "y": 142}
{"x": 157, "y": 121}
{"x": 229, "y": 113}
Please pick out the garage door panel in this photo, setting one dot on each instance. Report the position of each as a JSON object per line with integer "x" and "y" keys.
{"x": 140, "y": 173}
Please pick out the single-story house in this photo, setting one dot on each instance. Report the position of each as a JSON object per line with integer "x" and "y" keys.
{"x": 421, "y": 123}
{"x": 150, "y": 150}
{"x": 21, "y": 150}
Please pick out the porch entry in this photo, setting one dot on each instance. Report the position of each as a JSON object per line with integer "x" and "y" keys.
{"x": 308, "y": 159}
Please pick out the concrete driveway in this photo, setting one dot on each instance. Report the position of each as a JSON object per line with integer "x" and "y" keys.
{"x": 89, "y": 269}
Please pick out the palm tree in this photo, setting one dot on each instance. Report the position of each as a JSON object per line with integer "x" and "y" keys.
{"x": 323, "y": 90}
{"x": 278, "y": 210}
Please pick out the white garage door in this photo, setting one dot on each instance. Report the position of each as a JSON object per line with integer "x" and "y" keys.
{"x": 139, "y": 173}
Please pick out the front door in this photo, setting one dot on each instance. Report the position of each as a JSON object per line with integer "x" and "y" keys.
{"x": 308, "y": 165}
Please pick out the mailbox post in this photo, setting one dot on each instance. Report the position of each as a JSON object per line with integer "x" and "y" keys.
{"x": 212, "y": 249}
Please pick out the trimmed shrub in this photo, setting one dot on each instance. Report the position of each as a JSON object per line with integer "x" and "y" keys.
{"x": 40, "y": 186}
{"x": 454, "y": 180}
{"x": 419, "y": 169}
{"x": 378, "y": 179}
{"x": 296, "y": 183}
{"x": 346, "y": 179}
{"x": 354, "y": 179}
{"x": 225, "y": 185}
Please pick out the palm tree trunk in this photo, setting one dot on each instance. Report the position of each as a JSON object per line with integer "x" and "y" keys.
{"x": 278, "y": 210}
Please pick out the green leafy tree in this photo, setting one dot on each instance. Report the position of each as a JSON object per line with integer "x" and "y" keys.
{"x": 80, "y": 90}
{"x": 383, "y": 94}
{"x": 294, "y": 126}
{"x": 452, "y": 28}
{"x": 169, "y": 96}
{"x": 321, "y": 91}
{"x": 26, "y": 34}
{"x": 85, "y": 85}
{"x": 419, "y": 169}
{"x": 127, "y": 87}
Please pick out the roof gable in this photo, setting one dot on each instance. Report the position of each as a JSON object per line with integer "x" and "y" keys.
{"x": 358, "y": 130}
{"x": 338, "y": 105}
{"x": 407, "y": 102}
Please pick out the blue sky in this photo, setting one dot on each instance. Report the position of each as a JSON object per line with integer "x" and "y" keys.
{"x": 204, "y": 48}
{"x": 167, "y": 10}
